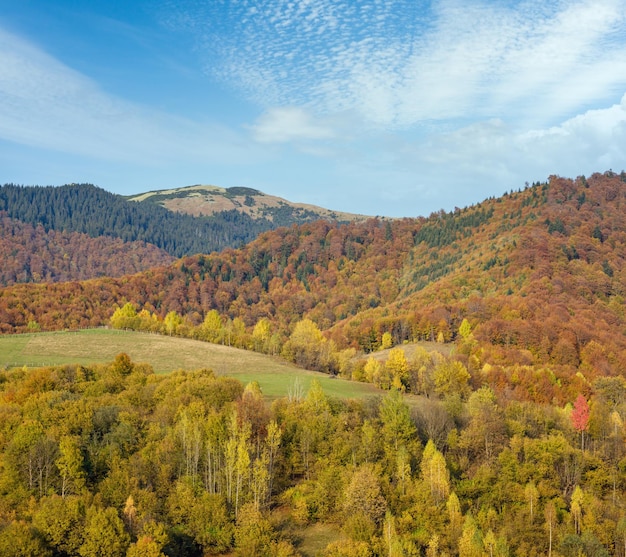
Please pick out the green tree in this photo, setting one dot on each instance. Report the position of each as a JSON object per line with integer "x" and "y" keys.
{"x": 104, "y": 535}
{"x": 70, "y": 465}
{"x": 18, "y": 539}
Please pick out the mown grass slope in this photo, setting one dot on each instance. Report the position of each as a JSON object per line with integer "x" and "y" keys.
{"x": 165, "y": 354}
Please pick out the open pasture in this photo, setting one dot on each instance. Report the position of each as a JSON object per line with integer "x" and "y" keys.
{"x": 165, "y": 354}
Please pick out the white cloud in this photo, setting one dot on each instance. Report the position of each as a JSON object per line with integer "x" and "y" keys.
{"x": 492, "y": 157}
{"x": 282, "y": 125}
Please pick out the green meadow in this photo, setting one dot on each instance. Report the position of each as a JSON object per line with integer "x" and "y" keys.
{"x": 165, "y": 354}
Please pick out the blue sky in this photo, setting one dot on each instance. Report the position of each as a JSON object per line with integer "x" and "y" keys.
{"x": 379, "y": 107}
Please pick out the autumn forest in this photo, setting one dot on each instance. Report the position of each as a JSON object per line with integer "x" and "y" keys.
{"x": 495, "y": 334}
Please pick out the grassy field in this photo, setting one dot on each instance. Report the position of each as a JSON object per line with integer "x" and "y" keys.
{"x": 166, "y": 354}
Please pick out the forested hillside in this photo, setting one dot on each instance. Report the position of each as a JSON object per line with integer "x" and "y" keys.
{"x": 31, "y": 254}
{"x": 114, "y": 460}
{"x": 181, "y": 222}
{"x": 538, "y": 275}
{"x": 511, "y": 440}
{"x": 96, "y": 212}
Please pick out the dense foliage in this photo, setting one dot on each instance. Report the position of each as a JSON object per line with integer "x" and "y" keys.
{"x": 30, "y": 254}
{"x": 538, "y": 275}
{"x": 513, "y": 443}
{"x": 114, "y": 460}
{"x": 96, "y": 212}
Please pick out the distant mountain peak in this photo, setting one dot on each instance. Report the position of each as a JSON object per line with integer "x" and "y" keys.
{"x": 207, "y": 200}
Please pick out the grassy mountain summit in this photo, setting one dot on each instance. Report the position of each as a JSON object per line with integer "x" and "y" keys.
{"x": 206, "y": 200}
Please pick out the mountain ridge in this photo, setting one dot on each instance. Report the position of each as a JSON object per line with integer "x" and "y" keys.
{"x": 207, "y": 200}
{"x": 538, "y": 274}
{"x": 89, "y": 210}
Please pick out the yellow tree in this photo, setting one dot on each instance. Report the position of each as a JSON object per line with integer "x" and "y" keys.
{"x": 212, "y": 328}
{"x": 305, "y": 346}
{"x": 465, "y": 329}
{"x": 550, "y": 524}
{"x": 105, "y": 535}
{"x": 397, "y": 368}
{"x": 171, "y": 322}
{"x": 363, "y": 495}
{"x": 372, "y": 371}
{"x": 386, "y": 341}
{"x": 125, "y": 317}
{"x": 532, "y": 496}
{"x": 451, "y": 377}
{"x": 435, "y": 472}
{"x": 70, "y": 466}
{"x": 261, "y": 335}
{"x": 576, "y": 508}
{"x": 471, "y": 542}
{"x": 453, "y": 506}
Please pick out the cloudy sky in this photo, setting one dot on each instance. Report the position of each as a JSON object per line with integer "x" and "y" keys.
{"x": 381, "y": 107}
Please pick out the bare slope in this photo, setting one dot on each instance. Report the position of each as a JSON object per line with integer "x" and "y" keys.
{"x": 206, "y": 200}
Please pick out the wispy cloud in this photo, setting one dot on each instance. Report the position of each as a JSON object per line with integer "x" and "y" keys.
{"x": 400, "y": 63}
{"x": 45, "y": 104}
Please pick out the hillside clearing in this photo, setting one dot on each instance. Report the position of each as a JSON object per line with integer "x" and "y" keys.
{"x": 165, "y": 354}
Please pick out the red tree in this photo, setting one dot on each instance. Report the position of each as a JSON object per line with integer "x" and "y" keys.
{"x": 580, "y": 417}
